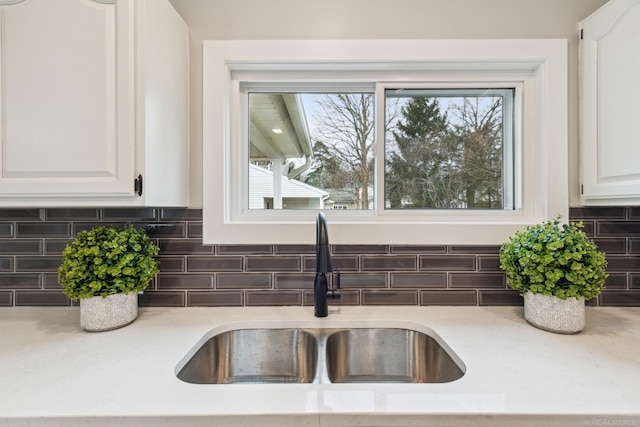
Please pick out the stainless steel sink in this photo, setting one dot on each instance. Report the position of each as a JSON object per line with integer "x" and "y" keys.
{"x": 320, "y": 355}
{"x": 388, "y": 355}
{"x": 254, "y": 356}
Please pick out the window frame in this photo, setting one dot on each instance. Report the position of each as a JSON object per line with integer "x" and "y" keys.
{"x": 538, "y": 67}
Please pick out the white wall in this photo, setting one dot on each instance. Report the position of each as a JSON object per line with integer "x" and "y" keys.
{"x": 381, "y": 19}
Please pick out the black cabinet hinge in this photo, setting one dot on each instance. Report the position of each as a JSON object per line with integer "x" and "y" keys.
{"x": 137, "y": 185}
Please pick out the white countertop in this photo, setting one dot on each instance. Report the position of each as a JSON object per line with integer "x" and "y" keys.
{"x": 53, "y": 373}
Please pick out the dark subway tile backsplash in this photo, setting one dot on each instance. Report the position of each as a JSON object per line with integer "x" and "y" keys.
{"x": 172, "y": 264}
{"x": 390, "y": 297}
{"x": 488, "y": 263}
{"x": 184, "y": 247}
{"x": 243, "y": 281}
{"x": 340, "y": 262}
{"x": 505, "y": 297}
{"x": 389, "y": 263}
{"x": 22, "y": 214}
{"x": 294, "y": 280}
{"x": 43, "y": 229}
{"x": 273, "y": 263}
{"x": 619, "y": 298}
{"x": 184, "y": 281}
{"x": 623, "y": 263}
{"x": 162, "y": 299}
{"x": 20, "y": 281}
{"x": 618, "y": 228}
{"x": 477, "y": 280}
{"x": 618, "y": 281}
{"x": 6, "y": 230}
{"x": 133, "y": 214}
{"x": 599, "y": 212}
{"x": 363, "y": 280}
{"x": 193, "y": 274}
{"x": 449, "y": 297}
{"x": 214, "y": 263}
{"x": 260, "y": 298}
{"x": 418, "y": 280}
{"x": 417, "y": 249}
{"x": 41, "y": 298}
{"x": 215, "y": 299}
{"x": 20, "y": 246}
{"x": 447, "y": 262}
{"x": 6, "y": 298}
{"x": 85, "y": 226}
{"x": 38, "y": 263}
{"x": 6, "y": 264}
{"x": 72, "y": 214}
{"x": 163, "y": 230}
{"x": 611, "y": 245}
{"x": 294, "y": 249}
{"x": 179, "y": 214}
{"x": 245, "y": 250}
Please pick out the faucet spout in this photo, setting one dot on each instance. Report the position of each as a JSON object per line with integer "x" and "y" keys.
{"x": 324, "y": 267}
{"x": 323, "y": 250}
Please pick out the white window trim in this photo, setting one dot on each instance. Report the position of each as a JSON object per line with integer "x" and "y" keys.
{"x": 540, "y": 65}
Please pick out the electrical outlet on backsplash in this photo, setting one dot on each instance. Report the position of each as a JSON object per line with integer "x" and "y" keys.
{"x": 193, "y": 274}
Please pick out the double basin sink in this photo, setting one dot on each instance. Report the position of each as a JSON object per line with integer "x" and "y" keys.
{"x": 320, "y": 355}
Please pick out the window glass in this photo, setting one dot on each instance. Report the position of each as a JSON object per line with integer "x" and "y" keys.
{"x": 311, "y": 150}
{"x": 449, "y": 148}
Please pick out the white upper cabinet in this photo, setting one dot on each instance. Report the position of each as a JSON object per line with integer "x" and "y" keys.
{"x": 610, "y": 104}
{"x": 94, "y": 94}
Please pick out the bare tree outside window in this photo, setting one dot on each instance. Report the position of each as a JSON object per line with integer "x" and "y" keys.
{"x": 343, "y": 143}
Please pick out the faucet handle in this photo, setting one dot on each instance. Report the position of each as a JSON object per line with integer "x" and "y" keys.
{"x": 335, "y": 289}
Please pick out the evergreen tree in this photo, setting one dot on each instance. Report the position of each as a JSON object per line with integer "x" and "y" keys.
{"x": 417, "y": 162}
{"x": 440, "y": 161}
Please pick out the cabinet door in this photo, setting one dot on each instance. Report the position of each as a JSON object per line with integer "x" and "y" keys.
{"x": 610, "y": 104}
{"x": 67, "y": 98}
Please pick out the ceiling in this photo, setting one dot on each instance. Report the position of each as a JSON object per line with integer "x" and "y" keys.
{"x": 383, "y": 19}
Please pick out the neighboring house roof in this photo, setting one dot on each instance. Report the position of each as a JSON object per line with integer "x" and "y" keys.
{"x": 261, "y": 183}
{"x": 342, "y": 196}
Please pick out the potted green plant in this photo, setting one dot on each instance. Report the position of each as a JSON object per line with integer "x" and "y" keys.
{"x": 556, "y": 267}
{"x": 105, "y": 268}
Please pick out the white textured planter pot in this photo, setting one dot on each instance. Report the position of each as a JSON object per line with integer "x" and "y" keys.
{"x": 111, "y": 312}
{"x": 553, "y": 314}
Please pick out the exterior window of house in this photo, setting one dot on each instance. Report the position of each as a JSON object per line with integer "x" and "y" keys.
{"x": 397, "y": 141}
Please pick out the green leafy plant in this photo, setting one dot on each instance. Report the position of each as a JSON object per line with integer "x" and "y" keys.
{"x": 554, "y": 259}
{"x": 107, "y": 260}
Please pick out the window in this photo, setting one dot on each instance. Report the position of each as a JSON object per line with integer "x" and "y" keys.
{"x": 444, "y": 149}
{"x": 449, "y": 148}
{"x": 423, "y": 142}
{"x": 310, "y": 150}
